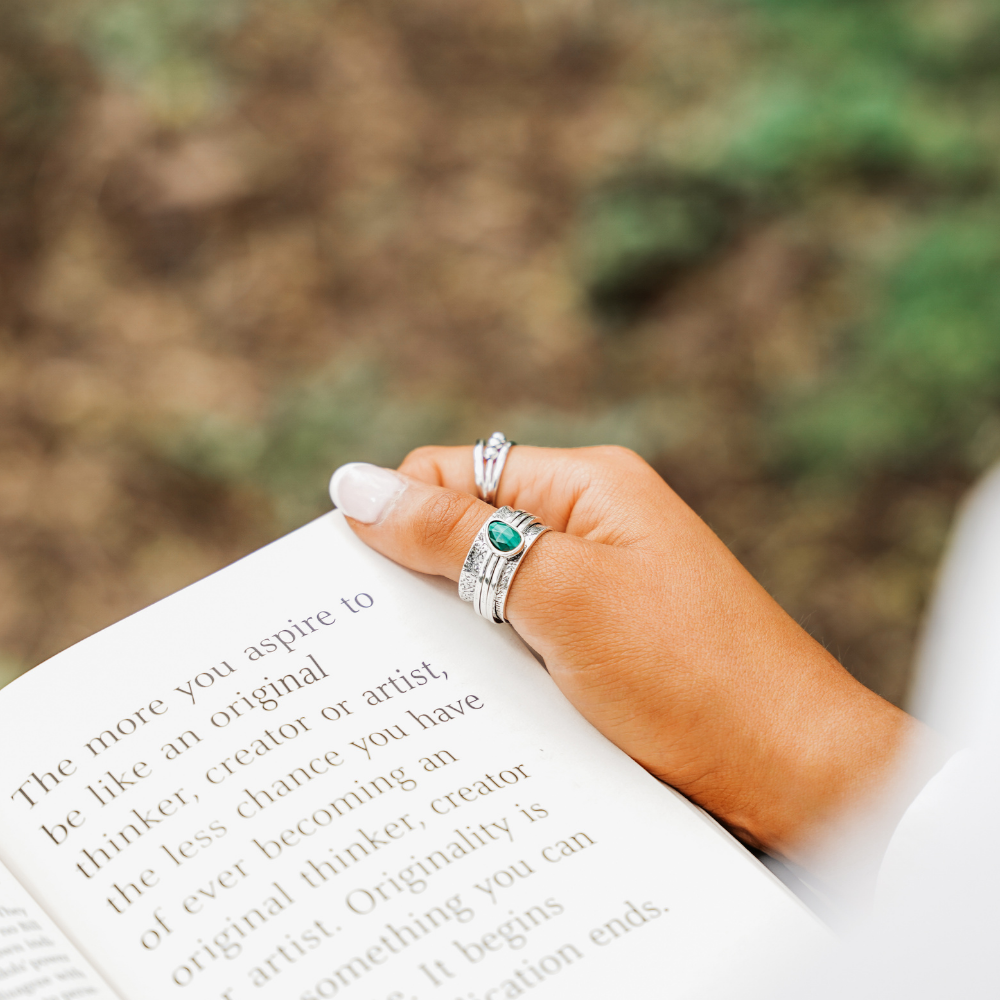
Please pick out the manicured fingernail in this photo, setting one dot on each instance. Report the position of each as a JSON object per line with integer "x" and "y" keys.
{"x": 364, "y": 491}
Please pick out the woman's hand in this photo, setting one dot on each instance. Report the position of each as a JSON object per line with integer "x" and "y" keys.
{"x": 655, "y": 632}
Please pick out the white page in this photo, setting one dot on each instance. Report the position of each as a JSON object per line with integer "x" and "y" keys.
{"x": 37, "y": 962}
{"x": 506, "y": 849}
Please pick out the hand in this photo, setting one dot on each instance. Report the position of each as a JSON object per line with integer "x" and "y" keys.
{"x": 655, "y": 632}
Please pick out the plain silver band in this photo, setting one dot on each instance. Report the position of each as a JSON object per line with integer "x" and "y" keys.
{"x": 495, "y": 471}
{"x": 479, "y": 468}
{"x": 488, "y": 459}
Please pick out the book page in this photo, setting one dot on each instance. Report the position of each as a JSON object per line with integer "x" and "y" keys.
{"x": 37, "y": 962}
{"x": 316, "y": 774}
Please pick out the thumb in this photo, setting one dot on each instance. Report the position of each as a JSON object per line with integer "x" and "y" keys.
{"x": 423, "y": 527}
{"x": 430, "y": 529}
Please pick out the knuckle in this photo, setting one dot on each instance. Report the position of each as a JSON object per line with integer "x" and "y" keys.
{"x": 618, "y": 455}
{"x": 608, "y": 465}
{"x": 421, "y": 461}
{"x": 424, "y": 453}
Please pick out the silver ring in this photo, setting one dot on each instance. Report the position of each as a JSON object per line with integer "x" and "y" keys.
{"x": 510, "y": 567}
{"x": 494, "y": 557}
{"x": 489, "y": 458}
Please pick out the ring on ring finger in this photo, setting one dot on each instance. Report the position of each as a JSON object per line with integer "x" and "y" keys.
{"x": 494, "y": 558}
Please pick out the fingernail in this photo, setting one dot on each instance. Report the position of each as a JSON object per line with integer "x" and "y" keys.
{"x": 364, "y": 491}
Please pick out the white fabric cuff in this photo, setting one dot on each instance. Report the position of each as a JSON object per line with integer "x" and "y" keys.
{"x": 919, "y": 832}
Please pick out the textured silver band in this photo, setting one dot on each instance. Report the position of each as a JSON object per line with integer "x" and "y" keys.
{"x": 488, "y": 572}
{"x": 489, "y": 458}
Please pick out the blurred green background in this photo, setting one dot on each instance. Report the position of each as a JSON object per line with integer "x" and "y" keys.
{"x": 242, "y": 241}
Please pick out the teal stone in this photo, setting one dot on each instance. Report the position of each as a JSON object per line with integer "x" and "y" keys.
{"x": 503, "y": 537}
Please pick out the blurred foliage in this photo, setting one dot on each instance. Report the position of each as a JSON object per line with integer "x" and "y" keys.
{"x": 166, "y": 50}
{"x": 900, "y": 100}
{"x": 34, "y": 105}
{"x": 9, "y": 669}
{"x": 901, "y": 97}
{"x": 922, "y": 379}
{"x": 243, "y": 241}
{"x": 346, "y": 415}
{"x": 638, "y": 233}
{"x": 899, "y": 91}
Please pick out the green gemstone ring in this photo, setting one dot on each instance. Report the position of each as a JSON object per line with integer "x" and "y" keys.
{"x": 494, "y": 558}
{"x": 505, "y": 539}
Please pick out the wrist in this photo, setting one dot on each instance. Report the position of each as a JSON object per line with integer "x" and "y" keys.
{"x": 839, "y": 782}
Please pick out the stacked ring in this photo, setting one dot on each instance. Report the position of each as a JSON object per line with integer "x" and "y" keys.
{"x": 489, "y": 458}
{"x": 494, "y": 558}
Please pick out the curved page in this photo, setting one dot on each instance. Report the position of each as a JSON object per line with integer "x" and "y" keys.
{"x": 316, "y": 774}
{"x": 37, "y": 961}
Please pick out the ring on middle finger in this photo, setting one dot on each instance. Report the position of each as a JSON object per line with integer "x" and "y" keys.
{"x": 489, "y": 458}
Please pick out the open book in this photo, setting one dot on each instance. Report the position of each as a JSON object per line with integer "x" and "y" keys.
{"x": 315, "y": 774}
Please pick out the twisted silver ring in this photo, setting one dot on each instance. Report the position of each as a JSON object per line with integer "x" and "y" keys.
{"x": 494, "y": 558}
{"x": 489, "y": 458}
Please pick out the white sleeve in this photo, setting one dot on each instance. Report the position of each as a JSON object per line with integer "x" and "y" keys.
{"x": 935, "y": 926}
{"x": 926, "y": 828}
